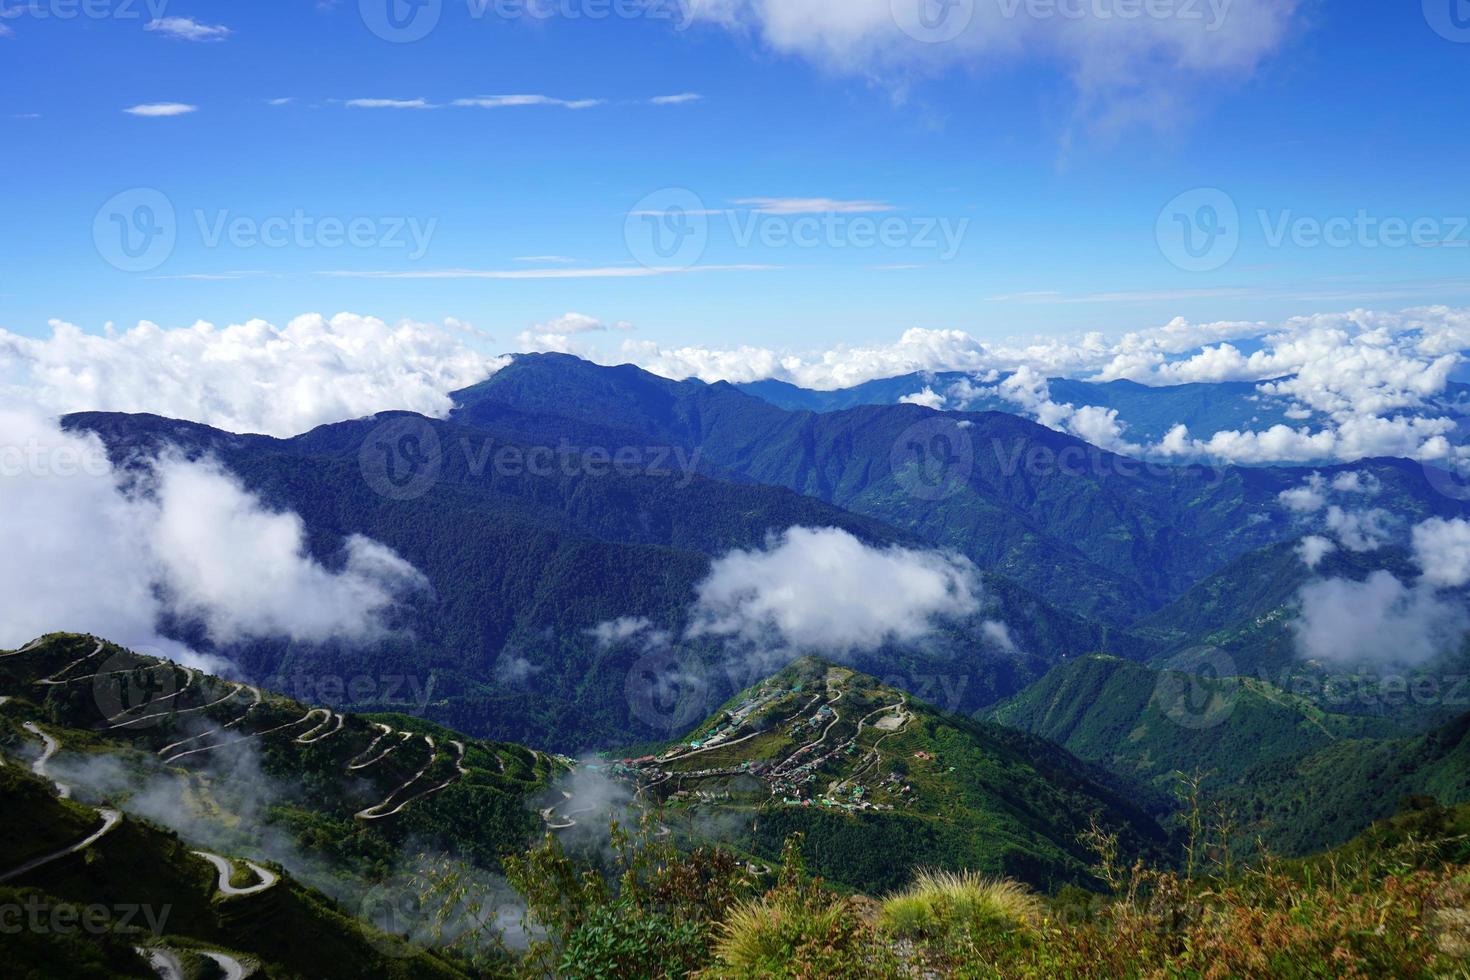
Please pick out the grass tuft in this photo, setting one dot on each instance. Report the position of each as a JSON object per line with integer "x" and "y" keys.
{"x": 939, "y": 903}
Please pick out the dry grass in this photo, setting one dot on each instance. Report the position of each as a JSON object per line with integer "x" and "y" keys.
{"x": 943, "y": 902}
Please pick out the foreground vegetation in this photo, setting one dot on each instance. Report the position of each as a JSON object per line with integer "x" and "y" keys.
{"x": 1395, "y": 903}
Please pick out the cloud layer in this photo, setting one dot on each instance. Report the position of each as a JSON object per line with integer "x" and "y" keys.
{"x": 823, "y": 590}
{"x": 251, "y": 377}
{"x": 95, "y": 550}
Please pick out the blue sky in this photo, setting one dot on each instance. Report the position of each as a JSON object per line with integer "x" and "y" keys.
{"x": 1051, "y": 191}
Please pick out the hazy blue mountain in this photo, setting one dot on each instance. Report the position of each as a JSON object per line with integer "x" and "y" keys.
{"x": 1087, "y": 530}
{"x": 522, "y": 566}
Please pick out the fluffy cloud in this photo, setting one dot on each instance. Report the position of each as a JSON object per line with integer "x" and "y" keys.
{"x": 1442, "y": 551}
{"x": 1314, "y": 548}
{"x": 928, "y": 398}
{"x": 1031, "y": 392}
{"x": 1362, "y": 383}
{"x": 1378, "y": 620}
{"x": 1308, "y": 498}
{"x": 250, "y": 377}
{"x": 1126, "y": 68}
{"x": 823, "y": 590}
{"x": 1382, "y": 619}
{"x": 92, "y": 549}
{"x": 243, "y": 570}
{"x": 1360, "y": 531}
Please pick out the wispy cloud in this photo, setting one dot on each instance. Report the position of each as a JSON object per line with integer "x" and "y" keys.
{"x": 390, "y": 104}
{"x": 510, "y": 101}
{"x": 548, "y": 259}
{"x": 483, "y": 102}
{"x": 812, "y": 205}
{"x": 186, "y": 29}
{"x": 286, "y": 101}
{"x": 216, "y": 276}
{"x": 156, "y": 110}
{"x": 605, "y": 272}
{"x": 681, "y": 99}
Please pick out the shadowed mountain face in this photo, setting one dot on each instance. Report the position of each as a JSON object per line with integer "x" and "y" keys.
{"x": 1088, "y": 531}
{"x": 561, "y": 495}
{"x": 531, "y": 533}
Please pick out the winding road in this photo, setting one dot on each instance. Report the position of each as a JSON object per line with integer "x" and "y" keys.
{"x": 49, "y": 748}
{"x": 226, "y": 869}
{"x": 110, "y": 820}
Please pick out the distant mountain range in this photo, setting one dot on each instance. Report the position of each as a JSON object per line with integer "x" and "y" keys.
{"x": 648, "y": 481}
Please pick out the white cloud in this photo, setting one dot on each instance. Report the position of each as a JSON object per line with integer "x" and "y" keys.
{"x": 1308, "y": 498}
{"x": 512, "y": 101}
{"x": 1379, "y": 620}
{"x": 1031, "y": 392}
{"x": 185, "y": 29}
{"x": 1442, "y": 551}
{"x": 389, "y": 104}
{"x": 683, "y": 98}
{"x": 250, "y": 377}
{"x": 575, "y": 323}
{"x": 244, "y": 570}
{"x": 93, "y": 550}
{"x": 1360, "y": 531}
{"x": 823, "y": 590}
{"x": 160, "y": 110}
{"x": 928, "y": 398}
{"x": 615, "y": 632}
{"x": 1314, "y": 548}
{"x": 1357, "y": 482}
{"x": 1126, "y": 70}
{"x": 811, "y": 205}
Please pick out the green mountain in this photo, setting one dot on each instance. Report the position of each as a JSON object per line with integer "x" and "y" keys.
{"x": 1086, "y": 530}
{"x": 522, "y": 566}
{"x": 1323, "y": 798}
{"x": 158, "y": 786}
{"x": 1149, "y": 725}
{"x": 867, "y": 773}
